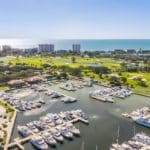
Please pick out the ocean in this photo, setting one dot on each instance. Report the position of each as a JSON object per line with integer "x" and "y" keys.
{"x": 86, "y": 44}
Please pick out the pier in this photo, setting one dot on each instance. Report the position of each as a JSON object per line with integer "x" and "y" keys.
{"x": 18, "y": 142}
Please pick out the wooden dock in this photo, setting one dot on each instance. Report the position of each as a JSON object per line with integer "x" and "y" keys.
{"x": 18, "y": 142}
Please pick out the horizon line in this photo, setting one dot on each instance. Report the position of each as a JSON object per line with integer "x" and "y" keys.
{"x": 74, "y": 38}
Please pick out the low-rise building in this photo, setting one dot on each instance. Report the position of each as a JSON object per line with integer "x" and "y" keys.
{"x": 16, "y": 83}
{"x": 34, "y": 79}
{"x": 131, "y": 51}
{"x": 131, "y": 65}
{"x": 61, "y": 52}
{"x": 30, "y": 51}
{"x": 17, "y": 51}
{"x": 47, "y": 76}
{"x": 119, "y": 51}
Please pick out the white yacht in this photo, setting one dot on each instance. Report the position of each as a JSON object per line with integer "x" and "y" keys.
{"x": 66, "y": 133}
{"x": 58, "y": 121}
{"x": 40, "y": 125}
{"x": 69, "y": 99}
{"x": 39, "y": 143}
{"x": 49, "y": 138}
{"x": 56, "y": 134}
{"x": 73, "y": 129}
{"x": 24, "y": 131}
{"x": 32, "y": 127}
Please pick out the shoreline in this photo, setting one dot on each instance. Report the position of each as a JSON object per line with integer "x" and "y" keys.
{"x": 10, "y": 131}
{"x": 10, "y": 128}
{"x": 145, "y": 95}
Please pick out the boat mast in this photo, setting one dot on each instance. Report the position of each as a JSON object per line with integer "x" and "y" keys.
{"x": 118, "y": 132}
{"x": 82, "y": 145}
{"x": 133, "y": 130}
{"x": 96, "y": 147}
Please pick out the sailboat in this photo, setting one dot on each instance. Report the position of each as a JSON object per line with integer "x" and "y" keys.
{"x": 116, "y": 145}
{"x": 118, "y": 134}
{"x": 96, "y": 147}
{"x": 82, "y": 145}
{"x": 133, "y": 130}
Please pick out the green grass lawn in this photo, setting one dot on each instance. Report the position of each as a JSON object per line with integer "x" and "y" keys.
{"x": 6, "y": 59}
{"x": 8, "y": 108}
{"x": 112, "y": 64}
{"x": 134, "y": 83}
{"x": 37, "y": 62}
{"x": 3, "y": 88}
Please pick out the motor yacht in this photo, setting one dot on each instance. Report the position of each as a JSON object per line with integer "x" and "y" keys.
{"x": 24, "y": 131}
{"x": 57, "y": 135}
{"x": 32, "y": 127}
{"x": 49, "y": 138}
{"x": 73, "y": 129}
{"x": 39, "y": 143}
{"x": 66, "y": 133}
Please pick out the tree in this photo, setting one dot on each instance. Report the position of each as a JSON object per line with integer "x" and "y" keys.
{"x": 143, "y": 83}
{"x": 147, "y": 64}
{"x": 46, "y": 65}
{"x": 64, "y": 75}
{"x": 101, "y": 76}
{"x": 100, "y": 70}
{"x": 123, "y": 66}
{"x": 73, "y": 59}
{"x": 124, "y": 79}
{"x": 115, "y": 80}
{"x": 76, "y": 71}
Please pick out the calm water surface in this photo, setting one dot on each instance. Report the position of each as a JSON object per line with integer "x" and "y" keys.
{"x": 105, "y": 119}
{"x": 86, "y": 44}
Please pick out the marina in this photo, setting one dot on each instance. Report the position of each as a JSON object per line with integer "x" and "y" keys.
{"x": 140, "y": 116}
{"x": 19, "y": 101}
{"x": 75, "y": 75}
{"x": 140, "y": 141}
{"x": 107, "y": 94}
{"x": 104, "y": 119}
{"x": 50, "y": 132}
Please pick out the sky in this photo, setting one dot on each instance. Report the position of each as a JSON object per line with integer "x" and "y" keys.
{"x": 75, "y": 19}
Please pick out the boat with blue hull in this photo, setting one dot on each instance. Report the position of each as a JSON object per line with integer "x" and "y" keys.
{"x": 143, "y": 122}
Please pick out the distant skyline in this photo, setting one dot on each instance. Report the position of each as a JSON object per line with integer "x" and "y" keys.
{"x": 104, "y": 44}
{"x": 75, "y": 19}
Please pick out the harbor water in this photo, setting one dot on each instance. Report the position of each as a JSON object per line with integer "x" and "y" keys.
{"x": 105, "y": 119}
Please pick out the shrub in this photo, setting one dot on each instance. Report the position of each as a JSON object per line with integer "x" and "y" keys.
{"x": 143, "y": 83}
